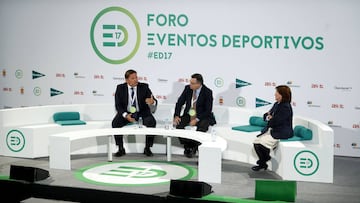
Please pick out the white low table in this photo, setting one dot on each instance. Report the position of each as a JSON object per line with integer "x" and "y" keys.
{"x": 60, "y": 144}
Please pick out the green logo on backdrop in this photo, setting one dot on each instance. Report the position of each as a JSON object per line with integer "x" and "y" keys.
{"x": 55, "y": 92}
{"x": 15, "y": 140}
{"x": 19, "y": 74}
{"x": 261, "y": 102}
{"x": 219, "y": 82}
{"x": 37, "y": 91}
{"x": 115, "y": 35}
{"x": 241, "y": 83}
{"x": 241, "y": 101}
{"x": 306, "y": 163}
{"x": 36, "y": 75}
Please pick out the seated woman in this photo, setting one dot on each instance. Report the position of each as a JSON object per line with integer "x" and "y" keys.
{"x": 279, "y": 126}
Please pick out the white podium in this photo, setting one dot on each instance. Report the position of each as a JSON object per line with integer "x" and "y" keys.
{"x": 210, "y": 162}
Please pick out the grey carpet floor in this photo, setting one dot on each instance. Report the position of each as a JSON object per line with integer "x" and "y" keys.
{"x": 238, "y": 180}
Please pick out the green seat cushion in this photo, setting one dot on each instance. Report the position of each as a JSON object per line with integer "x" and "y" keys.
{"x": 300, "y": 133}
{"x": 256, "y": 124}
{"x": 247, "y": 128}
{"x": 71, "y": 122}
{"x": 64, "y": 116}
{"x": 257, "y": 121}
{"x": 68, "y": 118}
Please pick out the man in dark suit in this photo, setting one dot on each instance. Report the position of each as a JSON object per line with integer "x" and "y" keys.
{"x": 134, "y": 100}
{"x": 198, "y": 101}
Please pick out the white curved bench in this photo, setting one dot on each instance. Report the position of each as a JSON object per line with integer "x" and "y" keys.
{"x": 35, "y": 124}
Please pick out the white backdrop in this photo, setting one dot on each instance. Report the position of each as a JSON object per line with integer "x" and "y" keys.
{"x": 243, "y": 48}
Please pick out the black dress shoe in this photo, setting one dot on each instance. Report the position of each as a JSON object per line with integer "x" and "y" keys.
{"x": 192, "y": 153}
{"x": 258, "y": 168}
{"x": 186, "y": 151}
{"x": 148, "y": 152}
{"x": 120, "y": 153}
{"x": 189, "y": 154}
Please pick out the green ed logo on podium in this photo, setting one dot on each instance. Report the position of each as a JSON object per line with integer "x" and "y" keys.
{"x": 134, "y": 173}
{"x": 115, "y": 35}
{"x": 15, "y": 140}
{"x": 306, "y": 163}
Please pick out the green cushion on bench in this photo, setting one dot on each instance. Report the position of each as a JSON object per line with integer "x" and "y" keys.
{"x": 300, "y": 133}
{"x": 256, "y": 124}
{"x": 272, "y": 190}
{"x": 68, "y": 118}
{"x": 247, "y": 128}
{"x": 63, "y": 116}
{"x": 257, "y": 121}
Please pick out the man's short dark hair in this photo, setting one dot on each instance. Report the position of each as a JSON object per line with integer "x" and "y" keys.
{"x": 198, "y": 78}
{"x": 128, "y": 73}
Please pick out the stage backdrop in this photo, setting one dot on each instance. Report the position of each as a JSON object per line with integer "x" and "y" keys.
{"x": 64, "y": 52}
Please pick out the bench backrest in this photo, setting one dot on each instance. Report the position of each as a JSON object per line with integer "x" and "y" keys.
{"x": 321, "y": 133}
{"x": 44, "y": 114}
{"x": 88, "y": 112}
{"x": 32, "y": 115}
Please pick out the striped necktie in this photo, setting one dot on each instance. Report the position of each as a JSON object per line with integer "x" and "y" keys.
{"x": 132, "y": 97}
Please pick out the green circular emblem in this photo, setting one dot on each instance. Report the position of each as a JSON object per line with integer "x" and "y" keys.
{"x": 192, "y": 112}
{"x": 134, "y": 173}
{"x": 19, "y": 74}
{"x": 241, "y": 101}
{"x": 219, "y": 82}
{"x": 15, "y": 140}
{"x": 115, "y": 35}
{"x": 37, "y": 91}
{"x": 306, "y": 163}
{"x": 132, "y": 109}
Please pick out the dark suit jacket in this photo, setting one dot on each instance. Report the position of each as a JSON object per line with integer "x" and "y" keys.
{"x": 204, "y": 102}
{"x": 281, "y": 122}
{"x": 122, "y": 98}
